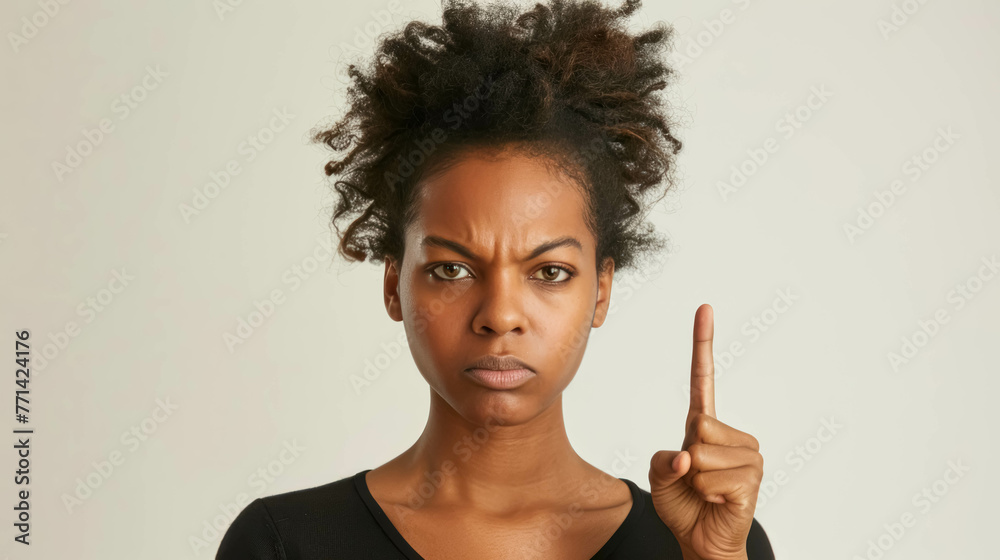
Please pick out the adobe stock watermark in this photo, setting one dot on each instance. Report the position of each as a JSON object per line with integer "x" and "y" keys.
{"x": 557, "y": 525}
{"x": 711, "y": 30}
{"x": 455, "y": 116}
{"x": 913, "y": 168}
{"x": 958, "y": 297}
{"x": 211, "y": 530}
{"x": 626, "y": 286}
{"x": 225, "y": 7}
{"x": 131, "y": 439}
{"x": 753, "y": 329}
{"x": 593, "y": 150}
{"x": 797, "y": 459}
{"x": 363, "y": 39}
{"x": 250, "y": 148}
{"x": 32, "y": 25}
{"x": 293, "y": 277}
{"x": 924, "y": 500}
{"x": 122, "y": 107}
{"x": 623, "y": 288}
{"x": 463, "y": 449}
{"x": 375, "y": 367}
{"x": 89, "y": 309}
{"x": 788, "y": 125}
{"x": 393, "y": 349}
{"x": 898, "y": 17}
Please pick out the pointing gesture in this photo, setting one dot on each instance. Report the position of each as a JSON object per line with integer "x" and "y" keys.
{"x": 706, "y": 493}
{"x": 702, "y": 364}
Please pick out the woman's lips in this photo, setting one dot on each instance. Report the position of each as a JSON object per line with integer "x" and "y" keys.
{"x": 500, "y": 379}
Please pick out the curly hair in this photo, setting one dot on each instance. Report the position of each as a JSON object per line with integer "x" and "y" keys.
{"x": 563, "y": 80}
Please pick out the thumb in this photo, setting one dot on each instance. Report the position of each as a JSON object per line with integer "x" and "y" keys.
{"x": 666, "y": 467}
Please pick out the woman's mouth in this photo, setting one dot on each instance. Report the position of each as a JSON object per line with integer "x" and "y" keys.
{"x": 500, "y": 379}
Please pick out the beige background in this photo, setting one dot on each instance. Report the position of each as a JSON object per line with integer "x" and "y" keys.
{"x": 217, "y": 79}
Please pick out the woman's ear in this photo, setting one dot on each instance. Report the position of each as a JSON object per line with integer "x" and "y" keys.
{"x": 390, "y": 289}
{"x": 604, "y": 278}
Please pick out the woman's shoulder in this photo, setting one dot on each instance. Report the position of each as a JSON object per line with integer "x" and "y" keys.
{"x": 329, "y": 499}
{"x": 316, "y": 521}
{"x": 648, "y": 535}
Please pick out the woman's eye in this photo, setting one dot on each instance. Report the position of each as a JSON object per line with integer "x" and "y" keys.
{"x": 551, "y": 273}
{"x": 450, "y": 270}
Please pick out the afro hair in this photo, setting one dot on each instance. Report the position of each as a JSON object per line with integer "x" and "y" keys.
{"x": 563, "y": 80}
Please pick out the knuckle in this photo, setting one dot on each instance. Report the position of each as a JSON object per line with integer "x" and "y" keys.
{"x": 698, "y": 453}
{"x": 699, "y": 484}
{"x": 700, "y": 422}
{"x": 758, "y": 466}
{"x": 657, "y": 460}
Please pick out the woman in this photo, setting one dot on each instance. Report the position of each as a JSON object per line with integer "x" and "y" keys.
{"x": 499, "y": 165}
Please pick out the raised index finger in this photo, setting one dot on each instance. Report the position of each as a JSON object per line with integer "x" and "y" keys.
{"x": 702, "y": 363}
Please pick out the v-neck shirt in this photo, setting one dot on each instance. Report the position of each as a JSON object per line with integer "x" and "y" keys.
{"x": 341, "y": 519}
{"x": 390, "y": 530}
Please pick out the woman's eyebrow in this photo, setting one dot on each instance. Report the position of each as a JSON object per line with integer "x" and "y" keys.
{"x": 437, "y": 241}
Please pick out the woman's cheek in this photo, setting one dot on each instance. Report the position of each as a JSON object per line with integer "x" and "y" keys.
{"x": 573, "y": 336}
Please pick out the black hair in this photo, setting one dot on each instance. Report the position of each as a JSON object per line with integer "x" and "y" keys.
{"x": 563, "y": 80}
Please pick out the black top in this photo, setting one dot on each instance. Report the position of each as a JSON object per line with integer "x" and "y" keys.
{"x": 341, "y": 519}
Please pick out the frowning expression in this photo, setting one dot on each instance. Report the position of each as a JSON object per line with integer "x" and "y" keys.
{"x": 499, "y": 261}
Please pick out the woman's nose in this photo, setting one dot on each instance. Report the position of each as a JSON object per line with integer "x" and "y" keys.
{"x": 501, "y": 308}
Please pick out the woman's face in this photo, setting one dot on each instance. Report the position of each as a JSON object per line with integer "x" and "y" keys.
{"x": 498, "y": 261}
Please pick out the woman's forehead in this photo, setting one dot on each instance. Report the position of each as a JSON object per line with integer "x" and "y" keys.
{"x": 518, "y": 187}
{"x": 492, "y": 206}
{"x": 526, "y": 247}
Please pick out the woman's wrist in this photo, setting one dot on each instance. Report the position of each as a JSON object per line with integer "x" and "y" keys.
{"x": 689, "y": 554}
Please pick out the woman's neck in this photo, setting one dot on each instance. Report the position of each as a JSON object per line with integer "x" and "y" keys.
{"x": 494, "y": 466}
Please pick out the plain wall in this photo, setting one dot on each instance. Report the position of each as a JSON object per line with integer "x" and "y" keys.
{"x": 826, "y": 360}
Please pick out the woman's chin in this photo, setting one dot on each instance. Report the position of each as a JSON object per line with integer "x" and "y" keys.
{"x": 496, "y": 408}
